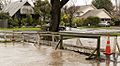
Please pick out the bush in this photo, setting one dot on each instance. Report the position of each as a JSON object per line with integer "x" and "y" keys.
{"x": 78, "y": 22}
{"x": 13, "y": 22}
{"x": 29, "y": 20}
{"x": 93, "y": 21}
{"x": 4, "y": 15}
{"x": 116, "y": 21}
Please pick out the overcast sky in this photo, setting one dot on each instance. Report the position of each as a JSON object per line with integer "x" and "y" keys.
{"x": 87, "y": 2}
{"x": 79, "y": 2}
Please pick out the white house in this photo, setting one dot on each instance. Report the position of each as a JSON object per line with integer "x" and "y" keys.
{"x": 101, "y": 13}
{"x": 18, "y": 8}
{"x": 89, "y": 10}
{"x": 83, "y": 9}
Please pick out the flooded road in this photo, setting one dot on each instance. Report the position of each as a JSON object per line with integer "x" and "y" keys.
{"x": 29, "y": 55}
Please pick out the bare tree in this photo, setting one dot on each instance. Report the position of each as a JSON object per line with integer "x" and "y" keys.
{"x": 4, "y": 2}
{"x": 70, "y": 11}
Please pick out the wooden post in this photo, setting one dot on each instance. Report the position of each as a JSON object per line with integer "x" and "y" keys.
{"x": 23, "y": 39}
{"x": 61, "y": 42}
{"x": 114, "y": 48}
{"x": 13, "y": 38}
{"x": 5, "y": 39}
{"x": 53, "y": 39}
{"x": 78, "y": 42}
{"x": 98, "y": 48}
{"x": 117, "y": 45}
{"x": 38, "y": 39}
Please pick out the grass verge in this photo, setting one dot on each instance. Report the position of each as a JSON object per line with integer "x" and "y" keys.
{"x": 20, "y": 28}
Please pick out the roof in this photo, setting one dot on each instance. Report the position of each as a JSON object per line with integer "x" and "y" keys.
{"x": 13, "y": 7}
{"x": 101, "y": 13}
{"x": 85, "y": 8}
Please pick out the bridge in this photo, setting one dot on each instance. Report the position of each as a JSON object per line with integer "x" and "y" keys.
{"x": 57, "y": 40}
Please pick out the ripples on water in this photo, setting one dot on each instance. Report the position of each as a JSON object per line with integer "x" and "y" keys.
{"x": 29, "y": 55}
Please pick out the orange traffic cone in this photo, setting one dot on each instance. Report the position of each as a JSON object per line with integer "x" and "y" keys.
{"x": 108, "y": 49}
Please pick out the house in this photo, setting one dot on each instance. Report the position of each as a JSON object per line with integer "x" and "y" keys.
{"x": 101, "y": 13}
{"x": 83, "y": 9}
{"x": 19, "y": 9}
{"x": 89, "y": 10}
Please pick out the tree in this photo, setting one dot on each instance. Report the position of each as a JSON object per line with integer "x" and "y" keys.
{"x": 93, "y": 21}
{"x": 106, "y": 4}
{"x": 56, "y": 6}
{"x": 70, "y": 11}
{"x": 4, "y": 3}
{"x": 43, "y": 9}
{"x": 4, "y": 15}
{"x": 28, "y": 21}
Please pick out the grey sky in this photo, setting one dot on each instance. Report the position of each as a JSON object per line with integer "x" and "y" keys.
{"x": 79, "y": 2}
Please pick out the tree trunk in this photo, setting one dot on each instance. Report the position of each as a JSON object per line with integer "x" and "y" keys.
{"x": 55, "y": 15}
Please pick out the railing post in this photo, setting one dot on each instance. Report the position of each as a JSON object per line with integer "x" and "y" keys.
{"x": 23, "y": 39}
{"x": 61, "y": 42}
{"x": 38, "y": 39}
{"x": 53, "y": 39}
{"x": 13, "y": 38}
{"x": 98, "y": 48}
{"x": 114, "y": 48}
{"x": 5, "y": 39}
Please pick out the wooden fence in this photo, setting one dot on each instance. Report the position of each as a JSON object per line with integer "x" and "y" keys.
{"x": 56, "y": 39}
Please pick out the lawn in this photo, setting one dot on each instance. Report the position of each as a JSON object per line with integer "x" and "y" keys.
{"x": 93, "y": 27}
{"x": 20, "y": 28}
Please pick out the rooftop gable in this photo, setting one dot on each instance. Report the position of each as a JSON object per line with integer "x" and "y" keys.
{"x": 101, "y": 13}
{"x": 13, "y": 7}
{"x": 83, "y": 9}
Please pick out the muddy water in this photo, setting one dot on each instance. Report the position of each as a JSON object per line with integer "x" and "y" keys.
{"x": 29, "y": 55}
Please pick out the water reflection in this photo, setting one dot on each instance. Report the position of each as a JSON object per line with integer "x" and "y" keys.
{"x": 56, "y": 58}
{"x": 28, "y": 55}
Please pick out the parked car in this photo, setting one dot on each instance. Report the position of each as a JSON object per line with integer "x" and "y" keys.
{"x": 104, "y": 24}
{"x": 61, "y": 28}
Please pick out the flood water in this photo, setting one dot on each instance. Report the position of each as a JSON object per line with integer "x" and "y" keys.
{"x": 28, "y": 55}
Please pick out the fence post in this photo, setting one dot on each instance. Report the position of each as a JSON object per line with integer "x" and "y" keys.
{"x": 38, "y": 39}
{"x": 61, "y": 42}
{"x": 117, "y": 45}
{"x": 5, "y": 39}
{"x": 13, "y": 38}
{"x": 23, "y": 39}
{"x": 98, "y": 48}
{"x": 53, "y": 39}
{"x": 114, "y": 48}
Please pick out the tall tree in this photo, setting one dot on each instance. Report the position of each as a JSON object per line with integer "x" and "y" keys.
{"x": 70, "y": 11}
{"x": 4, "y": 2}
{"x": 106, "y": 4}
{"x": 55, "y": 13}
{"x": 43, "y": 9}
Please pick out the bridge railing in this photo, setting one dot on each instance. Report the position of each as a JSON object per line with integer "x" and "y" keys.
{"x": 56, "y": 39}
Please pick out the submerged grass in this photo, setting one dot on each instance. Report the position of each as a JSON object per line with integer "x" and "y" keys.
{"x": 94, "y": 27}
{"x": 20, "y": 28}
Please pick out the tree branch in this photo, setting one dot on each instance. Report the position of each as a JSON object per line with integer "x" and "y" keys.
{"x": 63, "y": 2}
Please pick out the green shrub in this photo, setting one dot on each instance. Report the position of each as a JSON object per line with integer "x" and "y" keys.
{"x": 4, "y": 15}
{"x": 93, "y": 21}
{"x": 116, "y": 21}
{"x": 78, "y": 22}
